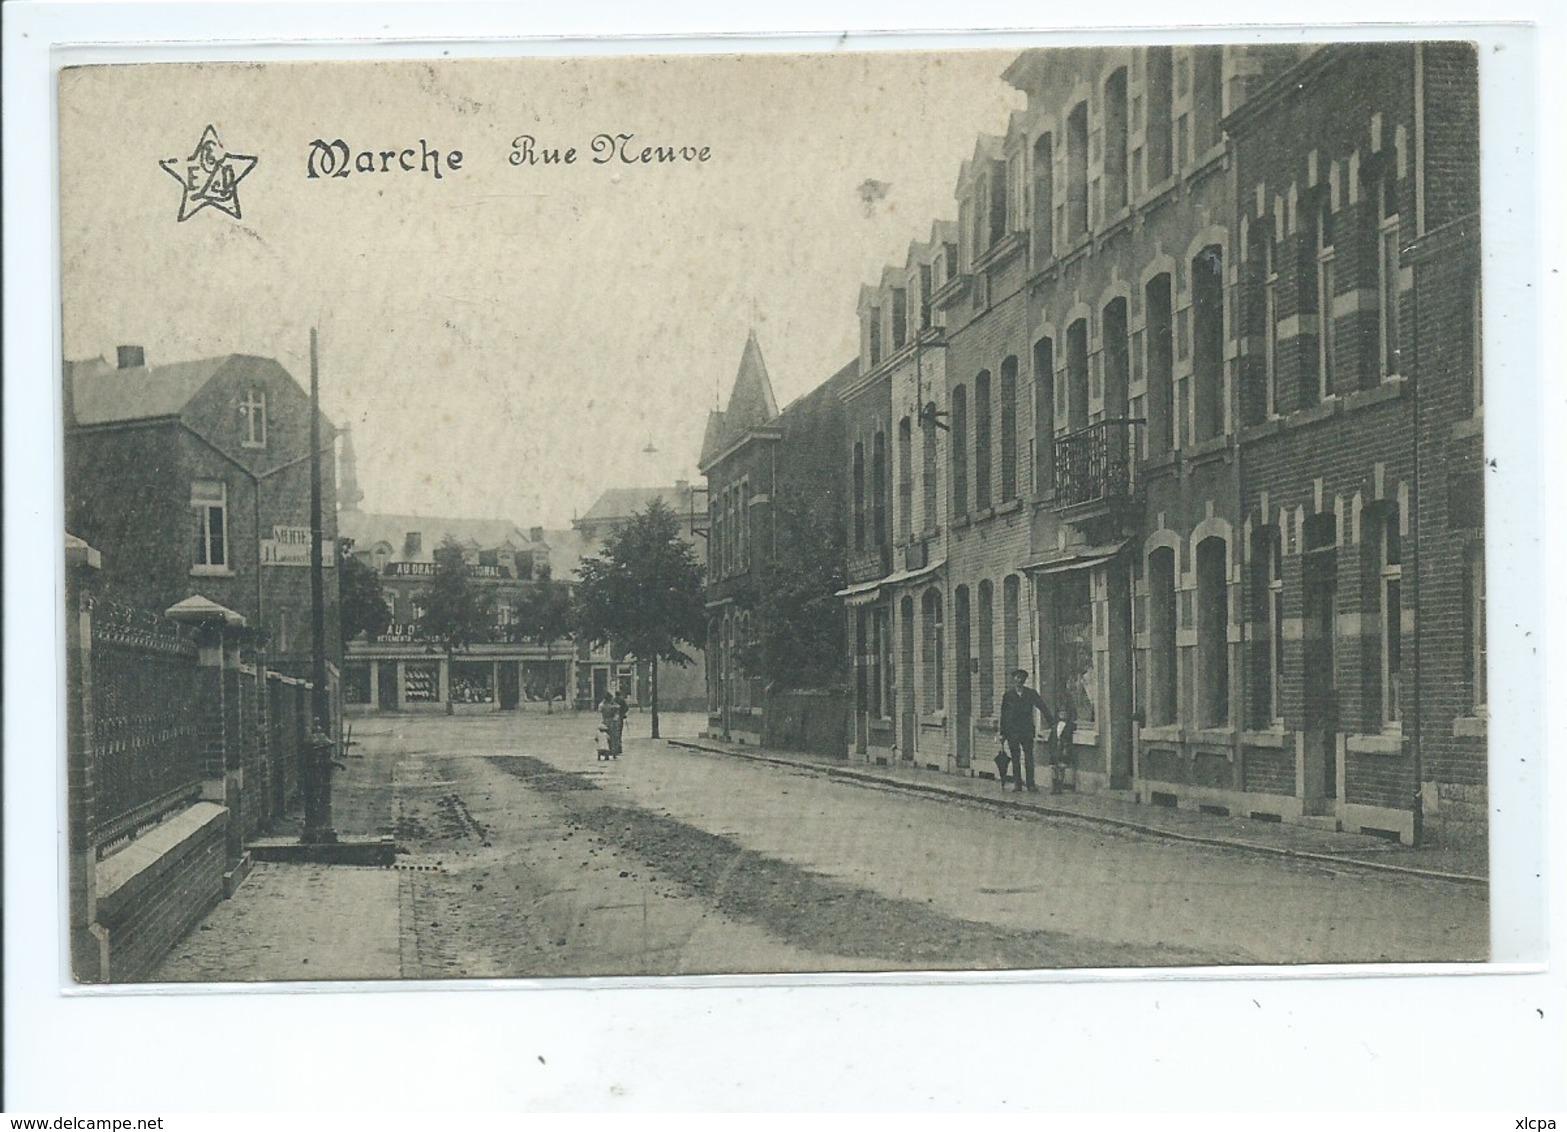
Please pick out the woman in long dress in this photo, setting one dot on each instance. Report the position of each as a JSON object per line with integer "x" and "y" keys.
{"x": 614, "y": 722}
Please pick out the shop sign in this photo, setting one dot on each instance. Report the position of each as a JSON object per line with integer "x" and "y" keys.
{"x": 290, "y": 546}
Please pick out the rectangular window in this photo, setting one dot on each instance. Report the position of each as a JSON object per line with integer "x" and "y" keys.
{"x": 1074, "y": 619}
{"x": 900, "y": 317}
{"x": 209, "y": 522}
{"x": 987, "y": 649}
{"x": 874, "y": 334}
{"x": 925, "y": 293}
{"x": 254, "y": 411}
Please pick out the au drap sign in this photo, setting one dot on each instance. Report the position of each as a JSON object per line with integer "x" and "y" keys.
{"x": 427, "y": 570}
{"x": 290, "y": 546}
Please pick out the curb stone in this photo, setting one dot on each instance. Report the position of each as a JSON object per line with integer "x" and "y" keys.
{"x": 937, "y": 790}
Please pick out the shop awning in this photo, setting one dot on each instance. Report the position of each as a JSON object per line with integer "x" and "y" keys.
{"x": 863, "y": 593}
{"x": 1076, "y": 558}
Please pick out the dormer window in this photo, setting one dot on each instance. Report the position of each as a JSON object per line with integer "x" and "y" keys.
{"x": 253, "y": 412}
{"x": 900, "y": 317}
{"x": 875, "y": 335}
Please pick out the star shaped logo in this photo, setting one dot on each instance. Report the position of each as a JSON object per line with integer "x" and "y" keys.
{"x": 210, "y": 175}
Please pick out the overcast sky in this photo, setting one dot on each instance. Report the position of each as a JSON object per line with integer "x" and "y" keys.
{"x": 506, "y": 340}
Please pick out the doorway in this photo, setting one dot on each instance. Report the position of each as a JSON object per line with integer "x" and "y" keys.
{"x": 510, "y": 690}
{"x": 386, "y": 686}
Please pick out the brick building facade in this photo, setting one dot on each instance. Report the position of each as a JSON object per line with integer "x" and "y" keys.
{"x": 760, "y": 462}
{"x": 194, "y": 479}
{"x": 1209, "y": 435}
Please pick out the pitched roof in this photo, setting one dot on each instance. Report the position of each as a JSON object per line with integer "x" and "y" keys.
{"x": 101, "y": 393}
{"x": 367, "y": 529}
{"x": 624, "y": 502}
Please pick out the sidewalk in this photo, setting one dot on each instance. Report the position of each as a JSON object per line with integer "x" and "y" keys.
{"x": 1276, "y": 838}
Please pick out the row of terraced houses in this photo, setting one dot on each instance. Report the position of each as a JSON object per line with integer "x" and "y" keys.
{"x": 1182, "y": 414}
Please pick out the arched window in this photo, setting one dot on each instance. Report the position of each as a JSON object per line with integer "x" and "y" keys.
{"x": 987, "y": 648}
{"x": 959, "y": 447}
{"x": 1044, "y": 413}
{"x": 1077, "y": 172}
{"x": 859, "y": 496}
{"x": 1161, "y": 364}
{"x": 1077, "y": 375}
{"x": 879, "y": 490}
{"x": 905, "y": 479}
{"x": 1162, "y": 656}
{"x": 1213, "y": 622}
{"x": 930, "y": 467}
{"x": 1044, "y": 199}
{"x": 934, "y": 642}
{"x": 982, "y": 440}
{"x": 1160, "y": 76}
{"x": 1010, "y": 586}
{"x": 1115, "y": 142}
{"x": 1208, "y": 341}
{"x": 1009, "y": 430}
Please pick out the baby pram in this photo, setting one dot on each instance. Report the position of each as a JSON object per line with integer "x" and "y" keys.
{"x": 604, "y": 750}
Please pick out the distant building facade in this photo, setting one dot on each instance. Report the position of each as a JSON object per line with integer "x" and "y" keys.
{"x": 401, "y": 669}
{"x": 598, "y": 668}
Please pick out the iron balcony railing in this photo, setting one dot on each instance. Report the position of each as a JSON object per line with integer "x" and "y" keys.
{"x": 1097, "y": 463}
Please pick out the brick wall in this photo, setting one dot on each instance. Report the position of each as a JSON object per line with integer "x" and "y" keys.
{"x": 159, "y": 887}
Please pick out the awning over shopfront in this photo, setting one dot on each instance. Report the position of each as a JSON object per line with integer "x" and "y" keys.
{"x": 1075, "y": 558}
{"x": 864, "y": 593}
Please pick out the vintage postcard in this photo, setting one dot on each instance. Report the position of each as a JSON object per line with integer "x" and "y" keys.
{"x": 754, "y": 514}
{"x": 1018, "y": 510}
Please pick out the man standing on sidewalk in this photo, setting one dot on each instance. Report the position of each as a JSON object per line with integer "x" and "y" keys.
{"x": 1018, "y": 704}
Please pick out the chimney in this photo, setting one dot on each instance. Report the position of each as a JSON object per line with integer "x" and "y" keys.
{"x": 131, "y": 357}
{"x": 536, "y": 534}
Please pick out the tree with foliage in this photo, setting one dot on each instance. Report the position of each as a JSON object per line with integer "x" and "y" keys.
{"x": 643, "y": 593}
{"x": 362, "y": 604}
{"x": 543, "y": 616}
{"x": 796, "y": 619}
{"x": 454, "y": 614}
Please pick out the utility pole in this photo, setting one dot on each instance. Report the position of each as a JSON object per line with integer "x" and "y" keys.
{"x": 318, "y": 753}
